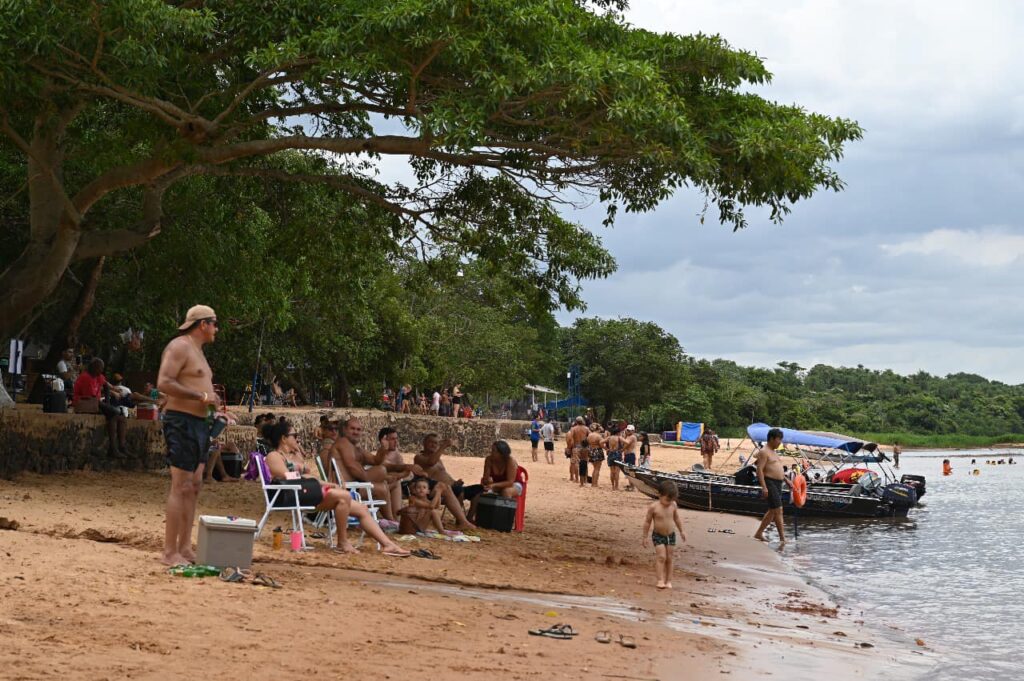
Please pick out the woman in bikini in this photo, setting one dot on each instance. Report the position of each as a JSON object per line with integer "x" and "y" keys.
{"x": 500, "y": 469}
{"x": 285, "y": 462}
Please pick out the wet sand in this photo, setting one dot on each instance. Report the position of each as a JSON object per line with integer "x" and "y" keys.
{"x": 83, "y": 597}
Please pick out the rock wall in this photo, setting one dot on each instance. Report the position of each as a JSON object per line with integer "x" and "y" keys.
{"x": 470, "y": 437}
{"x": 47, "y": 443}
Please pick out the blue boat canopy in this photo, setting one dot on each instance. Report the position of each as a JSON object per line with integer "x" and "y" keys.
{"x": 758, "y": 432}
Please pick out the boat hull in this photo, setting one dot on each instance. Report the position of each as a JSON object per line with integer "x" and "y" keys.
{"x": 704, "y": 492}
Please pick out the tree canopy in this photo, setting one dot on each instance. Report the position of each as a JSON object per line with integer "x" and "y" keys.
{"x": 624, "y": 363}
{"x": 502, "y": 109}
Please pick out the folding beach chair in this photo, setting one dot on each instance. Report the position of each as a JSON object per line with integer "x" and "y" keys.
{"x": 288, "y": 497}
{"x": 353, "y": 488}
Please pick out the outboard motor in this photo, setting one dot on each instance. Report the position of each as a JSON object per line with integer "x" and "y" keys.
{"x": 746, "y": 476}
{"x": 915, "y": 481}
{"x": 899, "y": 494}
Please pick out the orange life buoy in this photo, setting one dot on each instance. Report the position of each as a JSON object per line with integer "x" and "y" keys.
{"x": 798, "y": 490}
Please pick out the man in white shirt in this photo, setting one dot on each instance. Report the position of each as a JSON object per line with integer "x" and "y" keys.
{"x": 435, "y": 405}
{"x": 547, "y": 433}
{"x": 67, "y": 370}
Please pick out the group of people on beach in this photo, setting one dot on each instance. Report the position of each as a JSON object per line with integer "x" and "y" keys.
{"x": 186, "y": 379}
{"x": 589, "y": 447}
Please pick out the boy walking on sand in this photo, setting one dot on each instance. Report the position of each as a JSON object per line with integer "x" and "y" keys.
{"x": 664, "y": 514}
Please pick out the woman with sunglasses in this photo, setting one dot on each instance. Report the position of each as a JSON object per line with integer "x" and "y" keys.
{"x": 285, "y": 463}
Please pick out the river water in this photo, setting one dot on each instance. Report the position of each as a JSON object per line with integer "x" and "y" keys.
{"x": 951, "y": 574}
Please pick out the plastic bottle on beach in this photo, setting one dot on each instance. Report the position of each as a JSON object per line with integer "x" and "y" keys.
{"x": 277, "y": 538}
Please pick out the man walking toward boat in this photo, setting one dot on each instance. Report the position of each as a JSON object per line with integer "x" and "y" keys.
{"x": 770, "y": 476}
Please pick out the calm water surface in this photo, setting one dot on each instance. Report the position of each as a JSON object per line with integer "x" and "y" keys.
{"x": 951, "y": 574}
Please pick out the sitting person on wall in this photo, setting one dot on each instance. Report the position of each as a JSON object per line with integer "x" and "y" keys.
{"x": 285, "y": 463}
{"x": 68, "y": 370}
{"x": 90, "y": 389}
{"x": 123, "y": 396}
{"x": 422, "y": 514}
{"x": 500, "y": 469}
{"x": 290, "y": 398}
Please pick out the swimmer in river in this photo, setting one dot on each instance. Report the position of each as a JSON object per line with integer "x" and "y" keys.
{"x": 947, "y": 469}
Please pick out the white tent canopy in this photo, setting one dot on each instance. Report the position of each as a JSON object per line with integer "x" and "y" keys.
{"x": 534, "y": 389}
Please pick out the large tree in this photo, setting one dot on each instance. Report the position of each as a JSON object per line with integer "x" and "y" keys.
{"x": 499, "y": 106}
{"x": 624, "y": 363}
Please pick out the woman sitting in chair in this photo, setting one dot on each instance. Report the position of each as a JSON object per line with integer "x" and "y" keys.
{"x": 285, "y": 464}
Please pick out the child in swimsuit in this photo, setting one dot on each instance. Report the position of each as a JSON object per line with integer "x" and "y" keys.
{"x": 663, "y": 514}
{"x": 422, "y": 514}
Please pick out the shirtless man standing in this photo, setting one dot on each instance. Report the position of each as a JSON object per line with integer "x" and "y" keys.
{"x": 594, "y": 440}
{"x": 771, "y": 476}
{"x": 628, "y": 442}
{"x": 186, "y": 379}
{"x": 576, "y": 444}
{"x": 613, "y": 444}
{"x": 358, "y": 465}
{"x": 430, "y": 461}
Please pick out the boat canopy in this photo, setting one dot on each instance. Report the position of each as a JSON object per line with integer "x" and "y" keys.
{"x": 758, "y": 432}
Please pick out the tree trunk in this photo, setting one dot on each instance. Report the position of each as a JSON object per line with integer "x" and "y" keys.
{"x": 608, "y": 408}
{"x": 343, "y": 398}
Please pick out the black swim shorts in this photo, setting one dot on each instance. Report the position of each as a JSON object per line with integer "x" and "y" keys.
{"x": 663, "y": 539}
{"x": 583, "y": 467}
{"x": 629, "y": 458}
{"x": 188, "y": 440}
{"x": 613, "y": 457}
{"x": 549, "y": 446}
{"x": 774, "y": 492}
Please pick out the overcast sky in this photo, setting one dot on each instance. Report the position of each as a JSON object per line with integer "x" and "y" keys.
{"x": 918, "y": 264}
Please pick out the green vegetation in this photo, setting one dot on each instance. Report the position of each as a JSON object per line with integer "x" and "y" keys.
{"x": 953, "y": 440}
{"x": 500, "y": 109}
{"x": 918, "y": 410}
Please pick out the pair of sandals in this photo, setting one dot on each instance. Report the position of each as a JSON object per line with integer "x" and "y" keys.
{"x": 559, "y": 631}
{"x": 624, "y": 641}
{"x": 234, "y": 575}
{"x": 712, "y": 530}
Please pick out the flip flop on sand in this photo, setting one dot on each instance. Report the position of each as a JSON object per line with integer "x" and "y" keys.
{"x": 566, "y": 629}
{"x": 627, "y": 641}
{"x": 265, "y": 580}
{"x": 396, "y": 553}
{"x": 235, "y": 575}
{"x": 551, "y": 632}
{"x": 603, "y": 637}
{"x": 426, "y": 553}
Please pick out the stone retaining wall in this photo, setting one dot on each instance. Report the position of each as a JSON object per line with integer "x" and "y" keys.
{"x": 470, "y": 437}
{"x": 46, "y": 443}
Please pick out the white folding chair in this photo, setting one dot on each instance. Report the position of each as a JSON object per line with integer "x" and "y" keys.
{"x": 284, "y": 497}
{"x": 359, "y": 487}
{"x": 355, "y": 488}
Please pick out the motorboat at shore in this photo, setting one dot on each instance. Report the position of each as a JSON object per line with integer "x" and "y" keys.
{"x": 847, "y": 478}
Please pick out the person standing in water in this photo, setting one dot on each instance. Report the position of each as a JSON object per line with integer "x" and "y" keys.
{"x": 896, "y": 451}
{"x": 185, "y": 377}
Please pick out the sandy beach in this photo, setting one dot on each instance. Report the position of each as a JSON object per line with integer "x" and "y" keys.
{"x": 82, "y": 595}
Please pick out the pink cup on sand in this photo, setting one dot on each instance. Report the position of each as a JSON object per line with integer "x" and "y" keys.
{"x": 296, "y": 540}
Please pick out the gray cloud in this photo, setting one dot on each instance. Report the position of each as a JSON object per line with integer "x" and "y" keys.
{"x": 917, "y": 266}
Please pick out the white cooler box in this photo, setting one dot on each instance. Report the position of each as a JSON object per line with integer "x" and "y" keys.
{"x": 225, "y": 542}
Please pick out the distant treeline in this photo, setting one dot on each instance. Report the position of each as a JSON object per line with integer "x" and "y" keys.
{"x": 918, "y": 410}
